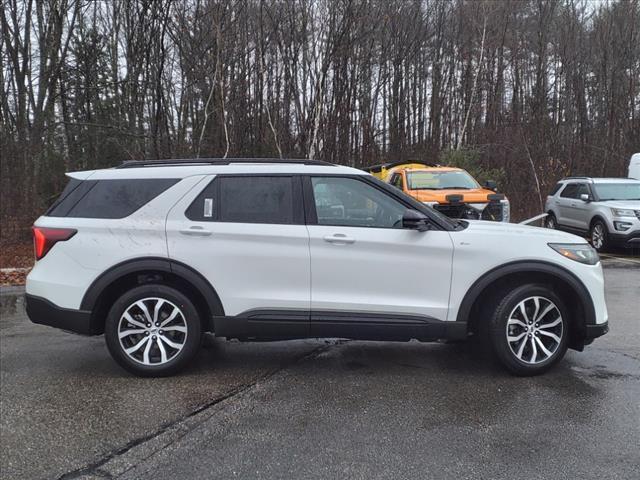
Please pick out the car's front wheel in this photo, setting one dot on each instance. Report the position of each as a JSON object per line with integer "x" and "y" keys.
{"x": 529, "y": 329}
{"x": 153, "y": 330}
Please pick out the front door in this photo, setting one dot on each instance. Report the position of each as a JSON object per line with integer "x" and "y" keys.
{"x": 365, "y": 268}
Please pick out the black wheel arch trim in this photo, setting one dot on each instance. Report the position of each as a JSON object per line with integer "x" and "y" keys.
{"x": 527, "y": 266}
{"x": 127, "y": 267}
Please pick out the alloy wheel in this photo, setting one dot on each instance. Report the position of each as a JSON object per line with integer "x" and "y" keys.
{"x": 534, "y": 330}
{"x": 597, "y": 236}
{"x": 550, "y": 222}
{"x": 152, "y": 331}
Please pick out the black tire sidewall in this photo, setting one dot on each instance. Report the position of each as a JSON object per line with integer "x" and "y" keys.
{"x": 498, "y": 328}
{"x": 191, "y": 316}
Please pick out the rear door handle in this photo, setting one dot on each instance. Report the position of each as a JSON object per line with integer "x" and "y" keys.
{"x": 196, "y": 232}
{"x": 339, "y": 238}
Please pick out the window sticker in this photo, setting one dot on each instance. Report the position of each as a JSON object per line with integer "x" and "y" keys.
{"x": 208, "y": 207}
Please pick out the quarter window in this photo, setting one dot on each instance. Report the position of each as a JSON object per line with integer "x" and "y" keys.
{"x": 108, "y": 198}
{"x": 353, "y": 203}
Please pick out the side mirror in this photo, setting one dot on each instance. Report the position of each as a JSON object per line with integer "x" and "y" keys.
{"x": 585, "y": 197}
{"x": 490, "y": 185}
{"x": 414, "y": 220}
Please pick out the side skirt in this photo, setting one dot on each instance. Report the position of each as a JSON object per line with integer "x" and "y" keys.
{"x": 269, "y": 325}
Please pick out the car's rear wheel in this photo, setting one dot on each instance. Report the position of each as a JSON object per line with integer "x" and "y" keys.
{"x": 550, "y": 221}
{"x": 153, "y": 330}
{"x": 599, "y": 236}
{"x": 529, "y": 329}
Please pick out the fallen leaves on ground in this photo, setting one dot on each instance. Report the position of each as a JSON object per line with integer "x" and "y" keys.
{"x": 15, "y": 256}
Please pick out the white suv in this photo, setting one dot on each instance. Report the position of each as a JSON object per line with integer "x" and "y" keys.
{"x": 153, "y": 254}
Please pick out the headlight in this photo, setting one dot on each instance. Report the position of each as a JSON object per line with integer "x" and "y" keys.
{"x": 622, "y": 212}
{"x": 506, "y": 210}
{"x": 582, "y": 253}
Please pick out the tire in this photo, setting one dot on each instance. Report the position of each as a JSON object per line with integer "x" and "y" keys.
{"x": 524, "y": 355}
{"x": 147, "y": 349}
{"x": 550, "y": 221}
{"x": 599, "y": 236}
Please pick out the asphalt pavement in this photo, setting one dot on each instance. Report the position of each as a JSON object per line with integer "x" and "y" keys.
{"x": 321, "y": 409}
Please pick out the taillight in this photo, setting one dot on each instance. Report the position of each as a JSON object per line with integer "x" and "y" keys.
{"x": 45, "y": 238}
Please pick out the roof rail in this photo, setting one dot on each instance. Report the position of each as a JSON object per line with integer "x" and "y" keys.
{"x": 217, "y": 161}
{"x": 577, "y": 177}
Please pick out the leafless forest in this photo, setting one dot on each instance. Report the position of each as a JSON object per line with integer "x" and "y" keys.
{"x": 526, "y": 90}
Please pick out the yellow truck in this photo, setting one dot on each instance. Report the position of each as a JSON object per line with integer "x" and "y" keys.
{"x": 450, "y": 190}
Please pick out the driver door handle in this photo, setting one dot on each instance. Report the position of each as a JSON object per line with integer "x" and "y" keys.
{"x": 196, "y": 232}
{"x": 339, "y": 238}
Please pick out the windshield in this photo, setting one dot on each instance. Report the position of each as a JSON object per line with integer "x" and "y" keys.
{"x": 617, "y": 191}
{"x": 454, "y": 179}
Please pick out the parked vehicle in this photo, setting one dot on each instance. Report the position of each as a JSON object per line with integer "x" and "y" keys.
{"x": 634, "y": 166}
{"x": 154, "y": 253}
{"x": 607, "y": 210}
{"x": 452, "y": 191}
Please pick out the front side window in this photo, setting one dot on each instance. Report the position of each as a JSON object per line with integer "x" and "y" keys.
{"x": 438, "y": 180}
{"x": 247, "y": 199}
{"x": 397, "y": 181}
{"x": 350, "y": 202}
{"x": 570, "y": 191}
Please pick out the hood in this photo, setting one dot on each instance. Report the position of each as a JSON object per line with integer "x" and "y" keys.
{"x": 476, "y": 195}
{"x": 632, "y": 204}
{"x": 522, "y": 231}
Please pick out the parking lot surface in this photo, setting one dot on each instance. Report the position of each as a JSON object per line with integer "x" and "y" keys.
{"x": 317, "y": 409}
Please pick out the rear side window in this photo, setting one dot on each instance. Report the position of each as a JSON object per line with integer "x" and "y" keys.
{"x": 249, "y": 199}
{"x": 108, "y": 198}
{"x": 555, "y": 189}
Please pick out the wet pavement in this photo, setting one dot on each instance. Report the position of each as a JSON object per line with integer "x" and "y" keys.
{"x": 315, "y": 409}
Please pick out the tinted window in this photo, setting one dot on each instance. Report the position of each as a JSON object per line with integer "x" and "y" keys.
{"x": 72, "y": 193}
{"x": 351, "y": 202}
{"x": 248, "y": 199}
{"x": 109, "y": 198}
{"x": 253, "y": 199}
{"x": 205, "y": 207}
{"x": 570, "y": 191}
{"x": 555, "y": 189}
{"x": 583, "y": 188}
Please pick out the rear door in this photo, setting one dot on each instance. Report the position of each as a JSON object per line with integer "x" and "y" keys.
{"x": 368, "y": 274}
{"x": 246, "y": 235}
